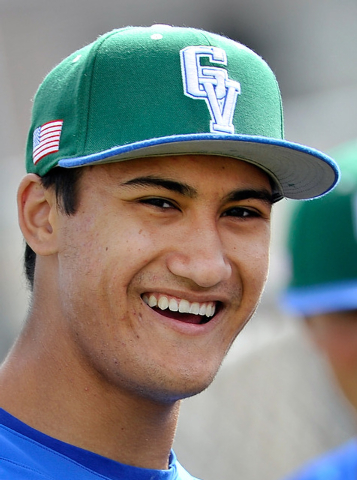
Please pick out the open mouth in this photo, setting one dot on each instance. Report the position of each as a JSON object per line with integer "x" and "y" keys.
{"x": 181, "y": 309}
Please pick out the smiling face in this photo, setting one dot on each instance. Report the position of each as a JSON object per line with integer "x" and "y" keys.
{"x": 160, "y": 268}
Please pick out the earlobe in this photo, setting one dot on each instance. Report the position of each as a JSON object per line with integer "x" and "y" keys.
{"x": 37, "y": 214}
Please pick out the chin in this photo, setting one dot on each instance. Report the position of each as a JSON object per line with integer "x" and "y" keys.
{"x": 187, "y": 388}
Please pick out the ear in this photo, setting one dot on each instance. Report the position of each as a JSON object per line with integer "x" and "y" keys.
{"x": 37, "y": 213}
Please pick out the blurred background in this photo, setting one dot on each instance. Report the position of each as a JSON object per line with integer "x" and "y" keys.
{"x": 274, "y": 404}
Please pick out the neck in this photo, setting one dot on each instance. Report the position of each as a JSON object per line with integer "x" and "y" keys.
{"x": 42, "y": 387}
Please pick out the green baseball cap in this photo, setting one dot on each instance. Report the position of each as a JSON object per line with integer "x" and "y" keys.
{"x": 322, "y": 245}
{"x": 150, "y": 91}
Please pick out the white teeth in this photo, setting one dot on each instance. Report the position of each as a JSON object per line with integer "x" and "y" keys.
{"x": 195, "y": 308}
{"x": 163, "y": 303}
{"x": 203, "y": 309}
{"x": 173, "y": 305}
{"x": 152, "y": 301}
{"x": 182, "y": 306}
{"x": 209, "y": 310}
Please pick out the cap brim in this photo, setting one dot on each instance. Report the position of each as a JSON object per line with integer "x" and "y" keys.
{"x": 319, "y": 299}
{"x": 300, "y": 172}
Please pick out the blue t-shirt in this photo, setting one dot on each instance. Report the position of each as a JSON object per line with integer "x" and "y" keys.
{"x": 339, "y": 464}
{"x": 26, "y": 453}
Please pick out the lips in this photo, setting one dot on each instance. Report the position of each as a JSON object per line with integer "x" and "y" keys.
{"x": 180, "y": 308}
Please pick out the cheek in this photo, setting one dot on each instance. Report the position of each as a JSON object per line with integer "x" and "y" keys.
{"x": 337, "y": 340}
{"x": 252, "y": 259}
{"x": 95, "y": 243}
{"x": 343, "y": 360}
{"x": 341, "y": 350}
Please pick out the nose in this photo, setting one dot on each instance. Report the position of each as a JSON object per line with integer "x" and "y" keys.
{"x": 199, "y": 257}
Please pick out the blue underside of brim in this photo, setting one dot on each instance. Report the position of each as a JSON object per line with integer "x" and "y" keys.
{"x": 132, "y": 147}
{"x": 312, "y": 300}
{"x": 254, "y": 149}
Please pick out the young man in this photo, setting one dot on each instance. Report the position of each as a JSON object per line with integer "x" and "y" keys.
{"x": 323, "y": 290}
{"x": 154, "y": 157}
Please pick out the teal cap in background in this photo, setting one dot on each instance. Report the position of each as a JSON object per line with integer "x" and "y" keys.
{"x": 322, "y": 245}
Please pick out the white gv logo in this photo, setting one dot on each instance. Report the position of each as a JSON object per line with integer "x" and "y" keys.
{"x": 210, "y": 83}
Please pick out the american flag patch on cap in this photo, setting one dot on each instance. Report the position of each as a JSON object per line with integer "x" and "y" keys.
{"x": 46, "y": 139}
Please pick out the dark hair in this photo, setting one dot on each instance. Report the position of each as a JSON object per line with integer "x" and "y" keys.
{"x": 65, "y": 182}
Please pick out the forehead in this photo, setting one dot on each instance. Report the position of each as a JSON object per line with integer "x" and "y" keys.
{"x": 226, "y": 172}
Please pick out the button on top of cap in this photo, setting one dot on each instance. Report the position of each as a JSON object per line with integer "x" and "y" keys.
{"x": 162, "y": 25}
{"x": 158, "y": 36}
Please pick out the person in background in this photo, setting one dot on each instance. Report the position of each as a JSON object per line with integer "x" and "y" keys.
{"x": 322, "y": 243}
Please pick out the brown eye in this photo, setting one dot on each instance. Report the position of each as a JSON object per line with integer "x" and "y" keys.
{"x": 241, "y": 212}
{"x": 158, "y": 202}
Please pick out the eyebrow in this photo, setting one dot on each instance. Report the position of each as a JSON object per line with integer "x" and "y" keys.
{"x": 172, "y": 185}
{"x": 188, "y": 191}
{"x": 261, "y": 194}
